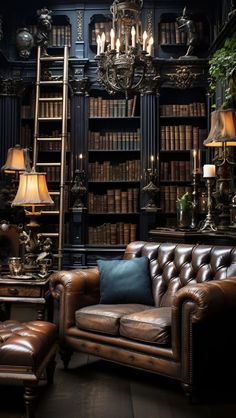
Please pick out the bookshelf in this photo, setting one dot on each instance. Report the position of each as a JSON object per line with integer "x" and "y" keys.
{"x": 59, "y": 36}
{"x": 183, "y": 127}
{"x": 173, "y": 41}
{"x": 98, "y": 24}
{"x": 114, "y": 152}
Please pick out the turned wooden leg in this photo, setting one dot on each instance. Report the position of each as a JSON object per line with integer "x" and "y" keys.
{"x": 66, "y": 354}
{"x": 50, "y": 370}
{"x": 30, "y": 395}
{"x": 190, "y": 393}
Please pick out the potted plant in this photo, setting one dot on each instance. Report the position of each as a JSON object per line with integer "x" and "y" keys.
{"x": 223, "y": 69}
{"x": 184, "y": 207}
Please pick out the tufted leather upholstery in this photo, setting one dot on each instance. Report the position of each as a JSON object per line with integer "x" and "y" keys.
{"x": 194, "y": 290}
{"x": 173, "y": 266}
{"x": 26, "y": 350}
{"x": 25, "y": 344}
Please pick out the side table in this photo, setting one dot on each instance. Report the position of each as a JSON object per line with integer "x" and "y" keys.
{"x": 191, "y": 237}
{"x": 28, "y": 291}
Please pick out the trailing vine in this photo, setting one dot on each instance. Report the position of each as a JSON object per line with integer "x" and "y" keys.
{"x": 223, "y": 69}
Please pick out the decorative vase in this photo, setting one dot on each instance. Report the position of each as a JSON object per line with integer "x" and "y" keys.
{"x": 184, "y": 218}
{"x": 24, "y": 42}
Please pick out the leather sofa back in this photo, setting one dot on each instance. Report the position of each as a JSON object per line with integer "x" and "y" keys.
{"x": 173, "y": 266}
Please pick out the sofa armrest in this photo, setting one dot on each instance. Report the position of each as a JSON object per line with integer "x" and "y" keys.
{"x": 74, "y": 289}
{"x": 208, "y": 298}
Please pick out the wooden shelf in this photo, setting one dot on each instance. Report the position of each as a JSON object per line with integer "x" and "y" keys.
{"x": 226, "y": 32}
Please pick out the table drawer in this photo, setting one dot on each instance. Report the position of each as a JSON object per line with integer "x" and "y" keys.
{"x": 20, "y": 291}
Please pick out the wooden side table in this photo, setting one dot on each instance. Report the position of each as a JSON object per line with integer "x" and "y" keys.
{"x": 28, "y": 291}
{"x": 191, "y": 237}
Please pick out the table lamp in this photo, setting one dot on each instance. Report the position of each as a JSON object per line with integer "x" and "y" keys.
{"x": 32, "y": 193}
{"x": 223, "y": 135}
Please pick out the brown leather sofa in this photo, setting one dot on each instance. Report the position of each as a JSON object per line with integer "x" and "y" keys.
{"x": 188, "y": 335}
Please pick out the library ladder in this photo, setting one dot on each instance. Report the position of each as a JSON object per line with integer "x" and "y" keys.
{"x": 46, "y": 113}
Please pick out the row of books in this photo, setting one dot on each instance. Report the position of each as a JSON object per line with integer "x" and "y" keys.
{"x": 191, "y": 109}
{"x": 106, "y": 171}
{"x": 169, "y": 196}
{"x": 53, "y": 145}
{"x": 26, "y": 135}
{"x": 52, "y": 108}
{"x": 56, "y": 200}
{"x": 171, "y": 34}
{"x": 112, "y": 234}
{"x": 128, "y": 141}
{"x": 114, "y": 201}
{"x": 53, "y": 173}
{"x": 182, "y": 137}
{"x": 111, "y": 108}
{"x": 99, "y": 28}
{"x": 175, "y": 171}
{"x": 27, "y": 111}
{"x": 60, "y": 35}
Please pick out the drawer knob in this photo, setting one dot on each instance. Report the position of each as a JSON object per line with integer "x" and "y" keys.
{"x": 13, "y": 291}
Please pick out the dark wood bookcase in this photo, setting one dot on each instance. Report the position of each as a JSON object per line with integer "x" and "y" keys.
{"x": 116, "y": 139}
{"x": 114, "y": 149}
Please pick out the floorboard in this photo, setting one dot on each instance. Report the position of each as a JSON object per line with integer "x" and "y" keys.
{"x": 91, "y": 388}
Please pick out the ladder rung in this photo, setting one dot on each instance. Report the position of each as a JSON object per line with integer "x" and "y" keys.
{"x": 55, "y": 118}
{"x": 54, "y": 193}
{"x": 51, "y": 99}
{"x": 48, "y": 164}
{"x": 48, "y": 83}
{"x": 49, "y": 58}
{"x": 47, "y": 138}
{"x": 49, "y": 234}
{"x": 50, "y": 212}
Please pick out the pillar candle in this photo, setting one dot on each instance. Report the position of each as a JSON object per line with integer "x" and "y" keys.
{"x": 209, "y": 170}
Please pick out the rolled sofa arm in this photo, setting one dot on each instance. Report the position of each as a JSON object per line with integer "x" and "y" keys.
{"x": 208, "y": 298}
{"x": 74, "y": 289}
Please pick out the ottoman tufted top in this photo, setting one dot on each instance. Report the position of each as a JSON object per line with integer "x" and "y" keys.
{"x": 25, "y": 344}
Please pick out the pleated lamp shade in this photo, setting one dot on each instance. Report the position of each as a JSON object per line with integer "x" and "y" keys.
{"x": 17, "y": 160}
{"x": 32, "y": 190}
{"x": 223, "y": 129}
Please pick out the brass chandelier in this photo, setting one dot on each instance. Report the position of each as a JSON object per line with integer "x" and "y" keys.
{"x": 126, "y": 64}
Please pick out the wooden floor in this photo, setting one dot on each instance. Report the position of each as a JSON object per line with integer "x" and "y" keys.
{"x": 97, "y": 389}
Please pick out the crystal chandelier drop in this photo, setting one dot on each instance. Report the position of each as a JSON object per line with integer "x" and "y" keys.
{"x": 126, "y": 65}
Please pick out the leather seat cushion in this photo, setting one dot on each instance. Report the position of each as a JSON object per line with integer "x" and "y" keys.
{"x": 105, "y": 318}
{"x": 25, "y": 344}
{"x": 152, "y": 325}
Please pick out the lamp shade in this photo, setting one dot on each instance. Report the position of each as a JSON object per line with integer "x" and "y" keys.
{"x": 32, "y": 190}
{"x": 223, "y": 129}
{"x": 17, "y": 160}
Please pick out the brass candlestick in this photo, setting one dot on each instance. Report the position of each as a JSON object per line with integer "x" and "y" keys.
{"x": 195, "y": 183}
{"x": 209, "y": 223}
{"x": 79, "y": 190}
{"x": 151, "y": 189}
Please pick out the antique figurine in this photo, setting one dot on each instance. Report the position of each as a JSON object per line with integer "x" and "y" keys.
{"x": 44, "y": 26}
{"x": 187, "y": 25}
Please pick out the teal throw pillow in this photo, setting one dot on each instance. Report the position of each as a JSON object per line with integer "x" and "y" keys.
{"x": 125, "y": 281}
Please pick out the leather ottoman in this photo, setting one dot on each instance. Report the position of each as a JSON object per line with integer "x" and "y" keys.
{"x": 26, "y": 351}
